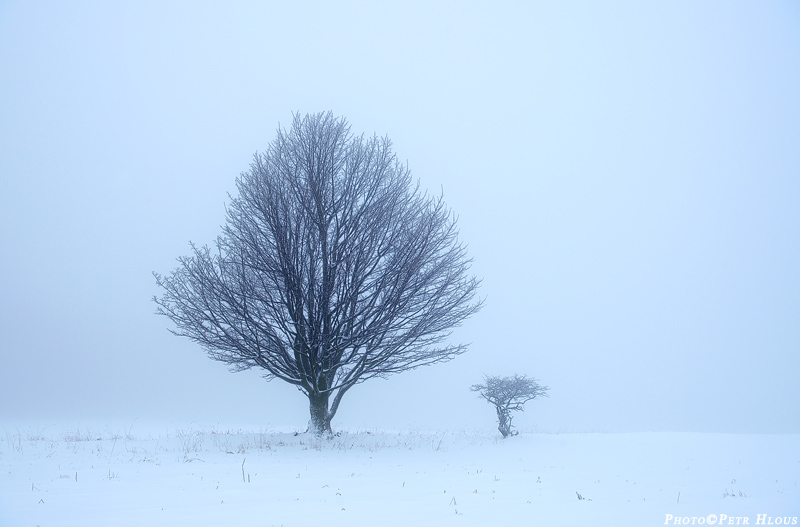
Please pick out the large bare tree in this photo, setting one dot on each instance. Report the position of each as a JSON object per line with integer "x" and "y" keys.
{"x": 332, "y": 268}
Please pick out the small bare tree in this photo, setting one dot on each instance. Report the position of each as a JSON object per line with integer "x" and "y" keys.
{"x": 509, "y": 394}
{"x": 332, "y": 268}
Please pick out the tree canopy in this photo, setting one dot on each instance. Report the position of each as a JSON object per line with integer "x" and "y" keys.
{"x": 332, "y": 268}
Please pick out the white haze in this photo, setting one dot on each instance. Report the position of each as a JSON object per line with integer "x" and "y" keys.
{"x": 625, "y": 175}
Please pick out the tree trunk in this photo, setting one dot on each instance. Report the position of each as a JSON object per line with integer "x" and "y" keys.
{"x": 504, "y": 418}
{"x": 320, "y": 422}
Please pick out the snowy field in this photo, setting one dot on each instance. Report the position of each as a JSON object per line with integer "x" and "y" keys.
{"x": 204, "y": 475}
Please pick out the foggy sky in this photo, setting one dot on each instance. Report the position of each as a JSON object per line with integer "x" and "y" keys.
{"x": 626, "y": 177}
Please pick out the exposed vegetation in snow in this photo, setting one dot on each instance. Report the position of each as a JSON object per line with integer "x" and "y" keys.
{"x": 206, "y": 475}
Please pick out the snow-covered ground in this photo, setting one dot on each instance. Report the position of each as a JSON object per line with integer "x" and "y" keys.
{"x": 203, "y": 475}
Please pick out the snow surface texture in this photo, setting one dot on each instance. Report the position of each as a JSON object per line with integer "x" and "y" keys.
{"x": 199, "y": 475}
